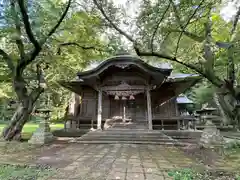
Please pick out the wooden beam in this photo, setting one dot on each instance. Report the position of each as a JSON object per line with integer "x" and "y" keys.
{"x": 119, "y": 88}
{"x": 126, "y": 77}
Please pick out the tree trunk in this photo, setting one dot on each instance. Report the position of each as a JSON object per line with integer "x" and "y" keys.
{"x": 228, "y": 109}
{"x": 14, "y": 129}
{"x": 225, "y": 119}
{"x": 23, "y": 111}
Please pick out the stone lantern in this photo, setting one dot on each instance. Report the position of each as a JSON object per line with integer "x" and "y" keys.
{"x": 43, "y": 133}
{"x": 211, "y": 137}
{"x": 206, "y": 115}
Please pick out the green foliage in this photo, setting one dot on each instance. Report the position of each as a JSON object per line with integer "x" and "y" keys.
{"x": 234, "y": 145}
{"x": 9, "y": 172}
{"x": 202, "y": 93}
{"x": 190, "y": 174}
{"x": 183, "y": 174}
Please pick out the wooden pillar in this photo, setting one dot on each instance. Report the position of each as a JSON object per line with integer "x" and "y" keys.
{"x": 99, "y": 116}
{"x": 194, "y": 124}
{"x": 178, "y": 124}
{"x": 124, "y": 112}
{"x": 149, "y": 109}
{"x": 162, "y": 124}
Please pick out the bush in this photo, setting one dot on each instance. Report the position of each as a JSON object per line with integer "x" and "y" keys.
{"x": 233, "y": 145}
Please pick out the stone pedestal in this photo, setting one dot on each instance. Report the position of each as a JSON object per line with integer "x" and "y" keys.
{"x": 42, "y": 135}
{"x": 71, "y": 125}
{"x": 211, "y": 137}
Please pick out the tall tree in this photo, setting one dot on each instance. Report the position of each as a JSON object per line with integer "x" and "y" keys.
{"x": 193, "y": 34}
{"x": 29, "y": 46}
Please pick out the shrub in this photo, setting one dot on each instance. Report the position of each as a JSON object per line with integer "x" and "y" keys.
{"x": 183, "y": 174}
{"x": 233, "y": 145}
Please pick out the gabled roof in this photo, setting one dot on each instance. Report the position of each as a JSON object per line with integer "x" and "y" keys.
{"x": 178, "y": 83}
{"x": 125, "y": 60}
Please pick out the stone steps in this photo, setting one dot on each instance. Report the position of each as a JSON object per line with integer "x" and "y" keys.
{"x": 133, "y": 136}
{"x": 181, "y": 144}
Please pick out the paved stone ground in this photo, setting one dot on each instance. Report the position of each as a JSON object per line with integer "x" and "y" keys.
{"x": 115, "y": 161}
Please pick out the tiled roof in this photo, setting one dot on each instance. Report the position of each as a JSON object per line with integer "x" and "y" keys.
{"x": 183, "y": 100}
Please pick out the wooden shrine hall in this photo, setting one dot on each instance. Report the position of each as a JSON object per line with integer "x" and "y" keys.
{"x": 126, "y": 89}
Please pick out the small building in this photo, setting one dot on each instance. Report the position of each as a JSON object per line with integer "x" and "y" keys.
{"x": 185, "y": 105}
{"x": 126, "y": 89}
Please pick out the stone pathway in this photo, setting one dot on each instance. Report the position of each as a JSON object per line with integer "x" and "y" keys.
{"x": 115, "y": 161}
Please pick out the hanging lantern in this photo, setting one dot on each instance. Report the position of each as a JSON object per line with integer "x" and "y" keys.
{"x": 124, "y": 98}
{"x": 131, "y": 97}
{"x": 116, "y": 97}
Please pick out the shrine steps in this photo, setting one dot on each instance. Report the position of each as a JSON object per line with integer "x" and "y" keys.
{"x": 126, "y": 136}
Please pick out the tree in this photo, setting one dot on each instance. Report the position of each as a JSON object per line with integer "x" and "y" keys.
{"x": 193, "y": 34}
{"x": 73, "y": 46}
{"x": 27, "y": 55}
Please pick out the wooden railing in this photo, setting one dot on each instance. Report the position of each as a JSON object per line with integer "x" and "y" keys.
{"x": 177, "y": 122}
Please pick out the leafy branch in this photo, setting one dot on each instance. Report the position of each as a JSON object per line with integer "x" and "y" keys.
{"x": 27, "y": 24}
{"x": 19, "y": 42}
{"x": 158, "y": 24}
{"x": 140, "y": 52}
{"x": 8, "y": 60}
{"x": 37, "y": 46}
{"x": 78, "y": 45}
{"x": 182, "y": 26}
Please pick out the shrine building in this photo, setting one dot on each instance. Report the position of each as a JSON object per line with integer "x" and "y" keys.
{"x": 126, "y": 89}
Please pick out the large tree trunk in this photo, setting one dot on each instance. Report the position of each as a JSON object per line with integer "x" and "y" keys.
{"x": 14, "y": 129}
{"x": 225, "y": 119}
{"x": 228, "y": 109}
{"x": 23, "y": 111}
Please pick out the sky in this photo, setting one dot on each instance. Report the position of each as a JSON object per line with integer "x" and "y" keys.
{"x": 228, "y": 10}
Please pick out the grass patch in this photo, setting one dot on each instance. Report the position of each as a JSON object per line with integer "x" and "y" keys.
{"x": 12, "y": 172}
{"x": 190, "y": 174}
{"x": 29, "y": 128}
